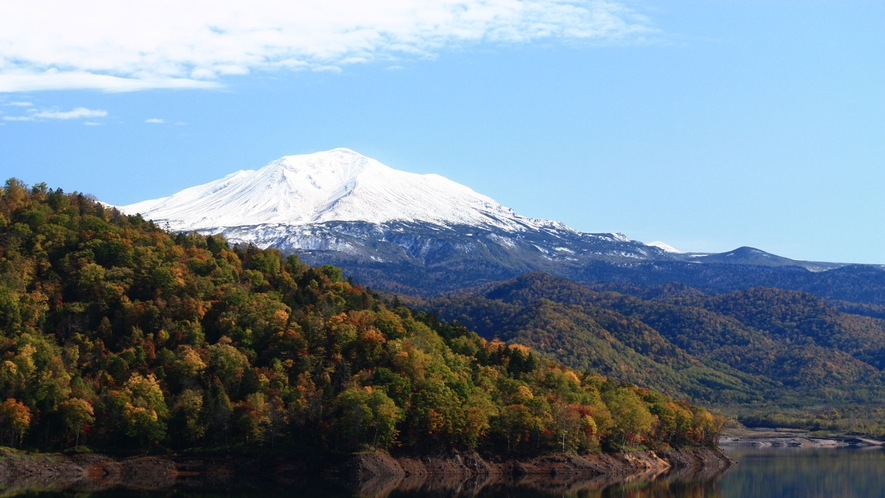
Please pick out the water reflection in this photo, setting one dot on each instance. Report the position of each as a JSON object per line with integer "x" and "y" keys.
{"x": 680, "y": 483}
{"x": 788, "y": 472}
{"x": 760, "y": 473}
{"x": 640, "y": 489}
{"x": 642, "y": 486}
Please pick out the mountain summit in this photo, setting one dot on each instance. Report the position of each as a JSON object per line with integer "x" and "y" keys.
{"x": 423, "y": 234}
{"x": 336, "y": 185}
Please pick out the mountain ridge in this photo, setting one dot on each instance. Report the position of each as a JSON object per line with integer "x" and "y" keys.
{"x": 424, "y": 234}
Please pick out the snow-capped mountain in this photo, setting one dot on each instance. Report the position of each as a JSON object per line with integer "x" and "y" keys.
{"x": 336, "y": 185}
{"x": 344, "y": 202}
{"x": 414, "y": 233}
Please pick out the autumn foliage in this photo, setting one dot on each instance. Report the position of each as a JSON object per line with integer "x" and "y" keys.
{"x": 117, "y": 334}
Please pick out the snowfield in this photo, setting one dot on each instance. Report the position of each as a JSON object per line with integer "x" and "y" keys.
{"x": 336, "y": 185}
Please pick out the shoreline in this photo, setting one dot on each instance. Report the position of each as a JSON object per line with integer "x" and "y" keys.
{"x": 380, "y": 474}
{"x": 774, "y": 438}
{"x": 365, "y": 473}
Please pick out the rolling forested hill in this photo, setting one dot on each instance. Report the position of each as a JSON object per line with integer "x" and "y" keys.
{"x": 117, "y": 334}
{"x": 764, "y": 352}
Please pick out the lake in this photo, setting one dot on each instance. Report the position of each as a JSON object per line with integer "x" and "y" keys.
{"x": 807, "y": 473}
{"x": 760, "y": 473}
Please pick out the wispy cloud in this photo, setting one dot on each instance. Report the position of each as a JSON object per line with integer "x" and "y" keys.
{"x": 78, "y": 113}
{"x": 155, "y": 121}
{"x": 20, "y": 104}
{"x": 91, "y": 123}
{"x": 141, "y": 44}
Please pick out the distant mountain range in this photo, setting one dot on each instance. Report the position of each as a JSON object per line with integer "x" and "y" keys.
{"x": 424, "y": 234}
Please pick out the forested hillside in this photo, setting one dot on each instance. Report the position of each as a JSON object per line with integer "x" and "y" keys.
{"x": 118, "y": 335}
{"x": 762, "y": 352}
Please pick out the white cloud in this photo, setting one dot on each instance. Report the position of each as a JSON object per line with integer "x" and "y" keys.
{"x": 155, "y": 121}
{"x": 140, "y": 44}
{"x": 78, "y": 113}
{"x": 20, "y": 104}
{"x": 91, "y": 123}
{"x": 23, "y": 80}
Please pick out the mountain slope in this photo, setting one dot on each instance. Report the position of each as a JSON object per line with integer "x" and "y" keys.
{"x": 119, "y": 335}
{"x": 336, "y": 185}
{"x": 424, "y": 234}
{"x": 744, "y": 347}
{"x": 604, "y": 341}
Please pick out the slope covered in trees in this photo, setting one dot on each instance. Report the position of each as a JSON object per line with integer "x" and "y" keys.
{"x": 757, "y": 350}
{"x": 593, "y": 338}
{"x": 116, "y": 334}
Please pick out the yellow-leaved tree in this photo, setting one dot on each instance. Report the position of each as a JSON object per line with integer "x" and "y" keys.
{"x": 144, "y": 409}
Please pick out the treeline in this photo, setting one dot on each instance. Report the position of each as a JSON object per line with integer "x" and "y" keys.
{"x": 118, "y": 335}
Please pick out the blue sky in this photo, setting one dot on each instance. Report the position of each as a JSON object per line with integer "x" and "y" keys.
{"x": 706, "y": 125}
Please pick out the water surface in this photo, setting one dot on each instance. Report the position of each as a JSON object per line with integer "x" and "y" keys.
{"x": 807, "y": 473}
{"x": 760, "y": 473}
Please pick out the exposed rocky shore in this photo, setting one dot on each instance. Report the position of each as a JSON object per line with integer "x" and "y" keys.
{"x": 55, "y": 472}
{"x": 367, "y": 473}
{"x": 469, "y": 473}
{"x": 793, "y": 439}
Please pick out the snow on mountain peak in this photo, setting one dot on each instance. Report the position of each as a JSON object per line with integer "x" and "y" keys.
{"x": 335, "y": 185}
{"x": 665, "y": 247}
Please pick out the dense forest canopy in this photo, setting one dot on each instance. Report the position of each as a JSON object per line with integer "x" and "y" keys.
{"x": 119, "y": 335}
{"x": 769, "y": 356}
